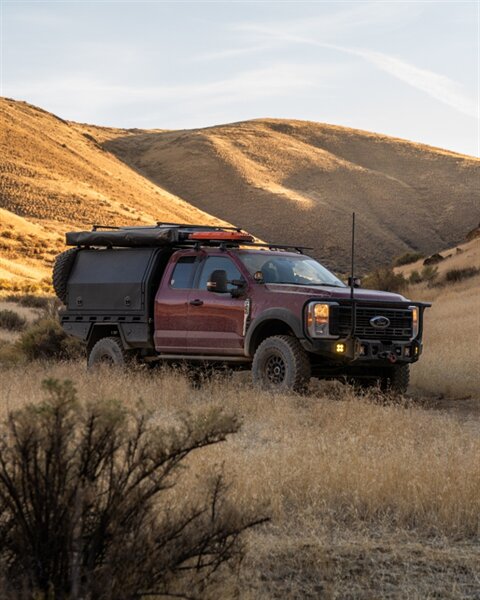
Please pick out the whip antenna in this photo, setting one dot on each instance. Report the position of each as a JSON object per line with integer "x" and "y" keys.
{"x": 352, "y": 273}
{"x": 352, "y": 280}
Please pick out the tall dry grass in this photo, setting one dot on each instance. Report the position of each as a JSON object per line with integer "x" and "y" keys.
{"x": 344, "y": 478}
{"x": 450, "y": 364}
{"x": 352, "y": 458}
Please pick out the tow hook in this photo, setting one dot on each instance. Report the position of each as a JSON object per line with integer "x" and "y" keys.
{"x": 390, "y": 356}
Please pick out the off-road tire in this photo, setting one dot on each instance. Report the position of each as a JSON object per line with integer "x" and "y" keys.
{"x": 61, "y": 272}
{"x": 108, "y": 351}
{"x": 281, "y": 364}
{"x": 396, "y": 379}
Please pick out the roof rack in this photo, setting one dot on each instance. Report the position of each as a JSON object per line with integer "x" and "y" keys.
{"x": 171, "y": 235}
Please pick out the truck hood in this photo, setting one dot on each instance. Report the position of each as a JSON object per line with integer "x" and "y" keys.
{"x": 333, "y": 293}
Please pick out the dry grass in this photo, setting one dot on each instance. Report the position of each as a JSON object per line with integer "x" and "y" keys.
{"x": 451, "y": 361}
{"x": 450, "y": 365}
{"x": 368, "y": 498}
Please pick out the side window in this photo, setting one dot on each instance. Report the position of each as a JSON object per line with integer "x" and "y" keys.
{"x": 218, "y": 262}
{"x": 182, "y": 276}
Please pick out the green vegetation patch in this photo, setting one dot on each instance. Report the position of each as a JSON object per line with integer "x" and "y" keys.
{"x": 11, "y": 320}
{"x": 456, "y": 275}
{"x": 407, "y": 258}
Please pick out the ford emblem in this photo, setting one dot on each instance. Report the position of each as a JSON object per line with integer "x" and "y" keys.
{"x": 380, "y": 322}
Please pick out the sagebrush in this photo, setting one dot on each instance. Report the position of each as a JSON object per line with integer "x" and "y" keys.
{"x": 86, "y": 508}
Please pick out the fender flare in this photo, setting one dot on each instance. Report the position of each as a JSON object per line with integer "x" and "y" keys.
{"x": 273, "y": 314}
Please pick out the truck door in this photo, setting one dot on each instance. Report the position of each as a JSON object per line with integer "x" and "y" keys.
{"x": 215, "y": 321}
{"x": 171, "y": 303}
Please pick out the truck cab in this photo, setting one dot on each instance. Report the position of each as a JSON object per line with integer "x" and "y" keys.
{"x": 205, "y": 295}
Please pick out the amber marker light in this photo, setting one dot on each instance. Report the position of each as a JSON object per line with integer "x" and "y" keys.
{"x": 340, "y": 348}
{"x": 414, "y": 310}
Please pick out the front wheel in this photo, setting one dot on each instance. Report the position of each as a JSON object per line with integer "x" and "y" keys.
{"x": 281, "y": 364}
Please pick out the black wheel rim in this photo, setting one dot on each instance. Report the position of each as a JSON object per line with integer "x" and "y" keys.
{"x": 106, "y": 359}
{"x": 275, "y": 369}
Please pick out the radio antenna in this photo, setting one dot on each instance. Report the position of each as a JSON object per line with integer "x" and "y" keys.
{"x": 352, "y": 273}
{"x": 352, "y": 281}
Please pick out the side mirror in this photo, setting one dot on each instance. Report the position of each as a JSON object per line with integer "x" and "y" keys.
{"x": 217, "y": 282}
{"x": 357, "y": 282}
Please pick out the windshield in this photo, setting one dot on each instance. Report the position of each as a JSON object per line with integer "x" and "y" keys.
{"x": 293, "y": 269}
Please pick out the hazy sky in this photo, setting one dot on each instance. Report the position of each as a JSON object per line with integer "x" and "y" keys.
{"x": 409, "y": 69}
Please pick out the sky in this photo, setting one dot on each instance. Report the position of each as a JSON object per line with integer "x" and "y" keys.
{"x": 407, "y": 69}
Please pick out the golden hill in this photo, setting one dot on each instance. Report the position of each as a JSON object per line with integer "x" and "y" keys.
{"x": 53, "y": 177}
{"x": 285, "y": 181}
{"x": 298, "y": 181}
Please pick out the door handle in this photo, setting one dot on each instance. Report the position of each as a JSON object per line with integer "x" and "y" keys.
{"x": 196, "y": 302}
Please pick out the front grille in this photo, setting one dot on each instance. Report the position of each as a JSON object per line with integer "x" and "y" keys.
{"x": 400, "y": 327}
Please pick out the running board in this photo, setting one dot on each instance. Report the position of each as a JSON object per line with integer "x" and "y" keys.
{"x": 198, "y": 357}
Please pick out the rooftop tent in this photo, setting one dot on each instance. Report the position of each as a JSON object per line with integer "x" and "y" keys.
{"x": 164, "y": 234}
{"x": 139, "y": 237}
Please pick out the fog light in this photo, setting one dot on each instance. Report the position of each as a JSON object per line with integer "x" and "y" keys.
{"x": 340, "y": 348}
{"x": 407, "y": 351}
{"x": 363, "y": 350}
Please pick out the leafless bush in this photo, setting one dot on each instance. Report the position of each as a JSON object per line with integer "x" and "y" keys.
{"x": 85, "y": 509}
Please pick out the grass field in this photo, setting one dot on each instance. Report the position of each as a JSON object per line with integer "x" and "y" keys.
{"x": 450, "y": 365}
{"x": 368, "y": 497}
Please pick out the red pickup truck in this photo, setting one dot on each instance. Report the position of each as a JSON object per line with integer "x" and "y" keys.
{"x": 210, "y": 295}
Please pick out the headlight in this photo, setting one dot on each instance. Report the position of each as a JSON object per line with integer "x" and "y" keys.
{"x": 318, "y": 320}
{"x": 415, "y": 315}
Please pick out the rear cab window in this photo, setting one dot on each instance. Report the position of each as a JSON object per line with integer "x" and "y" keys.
{"x": 183, "y": 272}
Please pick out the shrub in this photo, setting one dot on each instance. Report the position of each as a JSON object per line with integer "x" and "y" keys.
{"x": 385, "y": 279}
{"x": 46, "y": 339}
{"x": 10, "y": 354}
{"x": 456, "y": 275}
{"x": 11, "y": 320}
{"x": 85, "y": 509}
{"x": 415, "y": 277}
{"x": 429, "y": 273}
{"x": 32, "y": 301}
{"x": 407, "y": 258}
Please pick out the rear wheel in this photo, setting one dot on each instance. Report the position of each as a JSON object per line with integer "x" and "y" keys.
{"x": 392, "y": 379}
{"x": 281, "y": 364}
{"x": 108, "y": 351}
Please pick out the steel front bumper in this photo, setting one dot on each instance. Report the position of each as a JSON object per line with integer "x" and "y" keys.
{"x": 356, "y": 351}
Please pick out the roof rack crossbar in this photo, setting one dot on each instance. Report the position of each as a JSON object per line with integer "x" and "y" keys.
{"x": 235, "y": 244}
{"x": 98, "y": 226}
{"x": 203, "y": 227}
